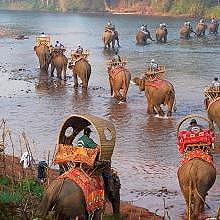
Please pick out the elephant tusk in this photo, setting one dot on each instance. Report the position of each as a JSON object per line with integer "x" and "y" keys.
{"x": 133, "y": 83}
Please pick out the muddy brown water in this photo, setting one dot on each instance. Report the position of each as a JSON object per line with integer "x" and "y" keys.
{"x": 145, "y": 155}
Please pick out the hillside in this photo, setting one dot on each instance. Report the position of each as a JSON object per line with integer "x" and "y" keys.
{"x": 195, "y": 8}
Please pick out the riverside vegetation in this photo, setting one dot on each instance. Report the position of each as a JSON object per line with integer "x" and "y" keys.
{"x": 196, "y": 8}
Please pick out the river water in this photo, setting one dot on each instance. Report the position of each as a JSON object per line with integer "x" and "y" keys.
{"x": 145, "y": 155}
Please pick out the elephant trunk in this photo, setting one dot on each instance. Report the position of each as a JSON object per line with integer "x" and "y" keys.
{"x": 140, "y": 83}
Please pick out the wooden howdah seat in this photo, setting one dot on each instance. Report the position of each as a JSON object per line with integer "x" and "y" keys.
{"x": 68, "y": 155}
{"x": 151, "y": 73}
{"x": 43, "y": 41}
{"x": 212, "y": 92}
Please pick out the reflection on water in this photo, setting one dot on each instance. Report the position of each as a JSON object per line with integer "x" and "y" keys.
{"x": 145, "y": 155}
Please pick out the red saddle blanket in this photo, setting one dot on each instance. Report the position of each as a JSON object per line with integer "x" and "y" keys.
{"x": 157, "y": 83}
{"x": 92, "y": 187}
{"x": 114, "y": 72}
{"x": 196, "y": 154}
{"x": 184, "y": 138}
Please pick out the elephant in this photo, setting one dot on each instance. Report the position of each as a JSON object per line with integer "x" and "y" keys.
{"x": 157, "y": 95}
{"x": 67, "y": 199}
{"x": 185, "y": 32}
{"x": 213, "y": 28}
{"x": 200, "y": 29}
{"x": 196, "y": 177}
{"x": 161, "y": 34}
{"x": 43, "y": 53}
{"x": 81, "y": 69}
{"x": 119, "y": 80}
{"x": 213, "y": 110}
{"x": 59, "y": 62}
{"x": 142, "y": 36}
{"x": 109, "y": 37}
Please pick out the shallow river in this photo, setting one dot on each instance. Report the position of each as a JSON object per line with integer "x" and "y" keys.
{"x": 145, "y": 155}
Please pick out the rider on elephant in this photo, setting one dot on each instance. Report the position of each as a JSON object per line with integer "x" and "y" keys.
{"x": 146, "y": 31}
{"x": 58, "y": 45}
{"x": 163, "y": 25}
{"x": 77, "y": 55}
{"x": 214, "y": 21}
{"x": 201, "y": 22}
{"x": 216, "y": 83}
{"x": 194, "y": 126}
{"x": 85, "y": 140}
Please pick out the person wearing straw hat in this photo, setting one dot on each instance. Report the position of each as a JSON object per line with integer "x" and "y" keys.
{"x": 194, "y": 126}
{"x": 85, "y": 140}
{"x": 216, "y": 83}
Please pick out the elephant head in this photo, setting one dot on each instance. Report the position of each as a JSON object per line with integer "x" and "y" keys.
{"x": 140, "y": 83}
{"x": 43, "y": 54}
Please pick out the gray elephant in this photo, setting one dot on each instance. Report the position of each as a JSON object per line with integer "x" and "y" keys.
{"x": 59, "y": 62}
{"x": 161, "y": 34}
{"x": 196, "y": 177}
{"x": 156, "y": 96}
{"x": 200, "y": 29}
{"x": 81, "y": 69}
{"x": 142, "y": 37}
{"x": 213, "y": 110}
{"x": 67, "y": 199}
{"x": 185, "y": 32}
{"x": 119, "y": 82}
{"x": 43, "y": 53}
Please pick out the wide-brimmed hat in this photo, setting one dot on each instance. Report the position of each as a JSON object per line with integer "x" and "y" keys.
{"x": 193, "y": 121}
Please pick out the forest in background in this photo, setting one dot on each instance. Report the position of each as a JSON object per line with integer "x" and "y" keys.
{"x": 195, "y": 8}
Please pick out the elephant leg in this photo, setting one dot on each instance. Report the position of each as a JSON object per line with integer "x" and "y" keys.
{"x": 76, "y": 84}
{"x": 170, "y": 106}
{"x": 59, "y": 72}
{"x": 111, "y": 86}
{"x": 159, "y": 110}
{"x": 113, "y": 43}
{"x": 64, "y": 72}
{"x": 165, "y": 39}
{"x": 118, "y": 95}
{"x": 52, "y": 70}
{"x": 84, "y": 85}
{"x": 98, "y": 215}
{"x": 150, "y": 109}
